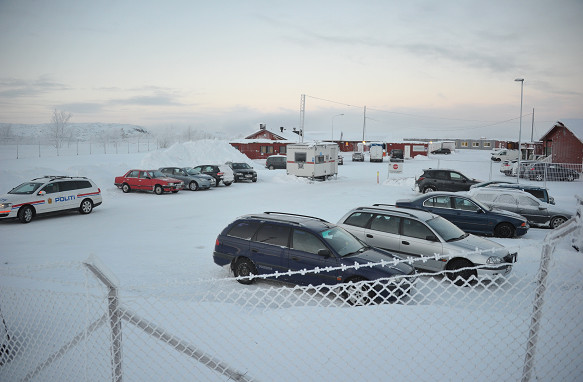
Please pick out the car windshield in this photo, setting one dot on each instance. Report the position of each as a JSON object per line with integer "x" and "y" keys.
{"x": 240, "y": 166}
{"x": 192, "y": 171}
{"x": 342, "y": 242}
{"x": 25, "y": 188}
{"x": 446, "y": 229}
{"x": 158, "y": 174}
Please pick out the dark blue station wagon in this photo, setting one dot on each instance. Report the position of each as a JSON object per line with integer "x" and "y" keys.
{"x": 270, "y": 242}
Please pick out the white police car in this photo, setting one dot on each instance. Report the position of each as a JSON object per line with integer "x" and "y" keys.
{"x": 50, "y": 194}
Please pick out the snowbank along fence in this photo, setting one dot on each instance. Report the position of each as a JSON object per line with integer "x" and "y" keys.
{"x": 79, "y": 323}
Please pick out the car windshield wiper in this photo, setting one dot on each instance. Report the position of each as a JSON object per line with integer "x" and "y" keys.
{"x": 457, "y": 238}
{"x": 360, "y": 250}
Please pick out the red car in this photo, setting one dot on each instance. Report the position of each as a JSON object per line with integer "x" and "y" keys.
{"x": 148, "y": 180}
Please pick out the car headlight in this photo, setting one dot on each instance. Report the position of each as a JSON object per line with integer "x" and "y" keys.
{"x": 5, "y": 205}
{"x": 494, "y": 260}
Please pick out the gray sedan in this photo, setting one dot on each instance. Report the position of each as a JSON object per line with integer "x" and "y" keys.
{"x": 537, "y": 212}
{"x": 191, "y": 178}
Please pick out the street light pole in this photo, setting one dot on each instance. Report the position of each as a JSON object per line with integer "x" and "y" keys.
{"x": 337, "y": 115}
{"x": 521, "y": 80}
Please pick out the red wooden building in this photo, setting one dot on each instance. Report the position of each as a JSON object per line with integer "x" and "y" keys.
{"x": 564, "y": 142}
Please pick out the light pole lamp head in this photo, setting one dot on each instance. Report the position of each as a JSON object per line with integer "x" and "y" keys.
{"x": 519, "y": 79}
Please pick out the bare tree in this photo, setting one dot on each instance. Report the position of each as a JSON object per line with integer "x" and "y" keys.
{"x": 59, "y": 122}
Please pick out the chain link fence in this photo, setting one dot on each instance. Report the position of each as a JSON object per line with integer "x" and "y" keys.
{"x": 78, "y": 323}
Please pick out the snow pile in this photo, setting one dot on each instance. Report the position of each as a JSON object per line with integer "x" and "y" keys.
{"x": 190, "y": 154}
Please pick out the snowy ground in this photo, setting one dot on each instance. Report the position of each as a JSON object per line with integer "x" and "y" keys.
{"x": 147, "y": 239}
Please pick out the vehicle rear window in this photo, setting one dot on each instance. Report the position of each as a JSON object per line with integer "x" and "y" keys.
{"x": 358, "y": 219}
{"x": 273, "y": 234}
{"x": 243, "y": 229}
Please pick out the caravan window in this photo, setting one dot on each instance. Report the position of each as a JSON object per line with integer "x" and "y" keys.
{"x": 319, "y": 159}
{"x": 300, "y": 157}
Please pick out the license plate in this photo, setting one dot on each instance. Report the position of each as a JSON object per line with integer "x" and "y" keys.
{"x": 248, "y": 176}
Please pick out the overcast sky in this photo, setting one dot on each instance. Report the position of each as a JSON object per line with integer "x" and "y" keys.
{"x": 421, "y": 68}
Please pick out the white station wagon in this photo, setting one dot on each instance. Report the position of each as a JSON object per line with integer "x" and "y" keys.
{"x": 49, "y": 194}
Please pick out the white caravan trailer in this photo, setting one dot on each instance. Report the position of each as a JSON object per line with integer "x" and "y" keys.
{"x": 312, "y": 159}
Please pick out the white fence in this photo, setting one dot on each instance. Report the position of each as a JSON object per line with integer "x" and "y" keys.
{"x": 78, "y": 324}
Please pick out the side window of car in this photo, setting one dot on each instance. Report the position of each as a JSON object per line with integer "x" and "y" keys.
{"x": 486, "y": 196}
{"x": 82, "y": 184}
{"x": 416, "y": 229}
{"x": 456, "y": 176}
{"x": 526, "y": 201}
{"x": 51, "y": 188}
{"x": 506, "y": 199}
{"x": 441, "y": 175}
{"x": 273, "y": 234}
{"x": 358, "y": 219}
{"x": 438, "y": 201}
{"x": 244, "y": 229}
{"x": 133, "y": 174}
{"x": 67, "y": 185}
{"x": 465, "y": 204}
{"x": 307, "y": 242}
{"x": 386, "y": 223}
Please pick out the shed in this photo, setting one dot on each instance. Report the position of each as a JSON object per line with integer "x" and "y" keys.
{"x": 312, "y": 159}
{"x": 564, "y": 142}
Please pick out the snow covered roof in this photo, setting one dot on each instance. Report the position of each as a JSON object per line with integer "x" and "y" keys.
{"x": 574, "y": 125}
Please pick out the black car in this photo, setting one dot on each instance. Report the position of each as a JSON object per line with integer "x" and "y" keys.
{"x": 221, "y": 173}
{"x": 443, "y": 180}
{"x": 293, "y": 246}
{"x": 549, "y": 171}
{"x": 242, "y": 171}
{"x": 396, "y": 155}
{"x": 276, "y": 161}
{"x": 441, "y": 151}
{"x": 469, "y": 214}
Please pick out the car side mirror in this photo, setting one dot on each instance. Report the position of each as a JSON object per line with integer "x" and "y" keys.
{"x": 324, "y": 252}
{"x": 42, "y": 192}
{"x": 551, "y": 200}
{"x": 480, "y": 211}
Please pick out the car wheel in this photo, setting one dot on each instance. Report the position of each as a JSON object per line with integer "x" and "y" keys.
{"x": 429, "y": 189}
{"x": 125, "y": 188}
{"x": 539, "y": 177}
{"x": 357, "y": 294}
{"x": 86, "y": 206}
{"x": 271, "y": 167}
{"x": 158, "y": 189}
{"x": 228, "y": 183}
{"x": 557, "y": 221}
{"x": 25, "y": 214}
{"x": 254, "y": 180}
{"x": 505, "y": 230}
{"x": 245, "y": 268}
{"x": 464, "y": 276}
{"x": 193, "y": 186}
{"x": 570, "y": 177}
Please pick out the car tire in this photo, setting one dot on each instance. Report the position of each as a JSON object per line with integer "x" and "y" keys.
{"x": 427, "y": 189}
{"x": 254, "y": 180}
{"x": 504, "y": 230}
{"x": 25, "y": 214}
{"x": 357, "y": 294}
{"x": 126, "y": 188}
{"x": 462, "y": 277}
{"x": 570, "y": 178}
{"x": 538, "y": 177}
{"x": 158, "y": 190}
{"x": 557, "y": 221}
{"x": 244, "y": 268}
{"x": 86, "y": 206}
{"x": 193, "y": 186}
{"x": 271, "y": 167}
{"x": 228, "y": 183}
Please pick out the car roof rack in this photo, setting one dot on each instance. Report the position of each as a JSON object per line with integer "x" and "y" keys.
{"x": 296, "y": 215}
{"x": 399, "y": 209}
{"x": 53, "y": 177}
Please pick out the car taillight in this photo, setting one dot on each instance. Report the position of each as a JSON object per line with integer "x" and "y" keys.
{"x": 217, "y": 243}
{"x": 420, "y": 178}
{"x": 220, "y": 173}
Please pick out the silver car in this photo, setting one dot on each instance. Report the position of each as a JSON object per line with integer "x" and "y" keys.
{"x": 191, "y": 178}
{"x": 536, "y": 211}
{"x": 414, "y": 233}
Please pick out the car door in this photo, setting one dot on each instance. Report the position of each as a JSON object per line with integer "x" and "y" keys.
{"x": 457, "y": 182}
{"x": 418, "y": 240}
{"x": 384, "y": 232}
{"x": 303, "y": 255}
{"x": 145, "y": 181}
{"x": 48, "y": 193}
{"x": 507, "y": 202}
{"x": 267, "y": 248}
{"x": 357, "y": 223}
{"x": 532, "y": 209}
{"x": 469, "y": 216}
{"x": 67, "y": 196}
{"x": 132, "y": 178}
